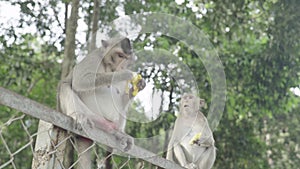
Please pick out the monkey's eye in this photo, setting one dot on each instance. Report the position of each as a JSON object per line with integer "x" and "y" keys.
{"x": 121, "y": 55}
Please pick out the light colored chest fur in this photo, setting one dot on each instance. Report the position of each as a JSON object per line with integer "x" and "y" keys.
{"x": 109, "y": 100}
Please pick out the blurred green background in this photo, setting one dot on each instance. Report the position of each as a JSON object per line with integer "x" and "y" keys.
{"x": 257, "y": 42}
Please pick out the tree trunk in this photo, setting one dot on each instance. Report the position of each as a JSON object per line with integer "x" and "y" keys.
{"x": 50, "y": 137}
{"x": 69, "y": 53}
{"x": 92, "y": 45}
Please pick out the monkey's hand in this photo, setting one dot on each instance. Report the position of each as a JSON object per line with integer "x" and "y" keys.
{"x": 195, "y": 139}
{"x": 201, "y": 141}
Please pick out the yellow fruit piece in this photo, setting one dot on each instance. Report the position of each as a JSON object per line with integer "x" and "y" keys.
{"x": 195, "y": 138}
{"x": 133, "y": 84}
{"x": 134, "y": 81}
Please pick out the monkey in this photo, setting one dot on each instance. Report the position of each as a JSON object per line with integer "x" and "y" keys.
{"x": 192, "y": 143}
{"x": 96, "y": 91}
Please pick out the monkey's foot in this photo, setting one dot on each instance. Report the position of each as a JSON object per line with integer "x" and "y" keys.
{"x": 191, "y": 166}
{"x": 126, "y": 141}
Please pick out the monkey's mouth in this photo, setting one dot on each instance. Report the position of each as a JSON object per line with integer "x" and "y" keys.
{"x": 185, "y": 105}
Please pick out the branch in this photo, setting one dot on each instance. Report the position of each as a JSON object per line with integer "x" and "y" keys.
{"x": 37, "y": 110}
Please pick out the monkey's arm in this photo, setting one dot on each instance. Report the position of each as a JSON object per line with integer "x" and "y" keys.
{"x": 108, "y": 78}
{"x": 90, "y": 80}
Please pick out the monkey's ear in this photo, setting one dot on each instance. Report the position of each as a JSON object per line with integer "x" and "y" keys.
{"x": 202, "y": 103}
{"x": 126, "y": 46}
{"x": 105, "y": 43}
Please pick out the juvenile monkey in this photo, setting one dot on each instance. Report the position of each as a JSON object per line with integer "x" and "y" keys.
{"x": 192, "y": 142}
{"x": 95, "y": 92}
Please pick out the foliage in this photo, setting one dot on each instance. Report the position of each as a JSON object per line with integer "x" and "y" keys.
{"x": 258, "y": 44}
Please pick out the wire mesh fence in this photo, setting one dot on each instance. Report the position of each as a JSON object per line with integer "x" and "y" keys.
{"x": 17, "y": 140}
{"x": 19, "y": 147}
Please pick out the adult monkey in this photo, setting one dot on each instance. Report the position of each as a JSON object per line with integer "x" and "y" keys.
{"x": 192, "y": 142}
{"x": 96, "y": 92}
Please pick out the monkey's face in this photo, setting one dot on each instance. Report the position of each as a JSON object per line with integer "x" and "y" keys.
{"x": 189, "y": 103}
{"x": 117, "y": 59}
{"x": 119, "y": 55}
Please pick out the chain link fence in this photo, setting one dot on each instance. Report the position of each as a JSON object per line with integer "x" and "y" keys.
{"x": 18, "y": 133}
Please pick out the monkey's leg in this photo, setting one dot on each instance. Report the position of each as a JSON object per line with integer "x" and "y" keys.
{"x": 105, "y": 125}
{"x": 108, "y": 159}
{"x": 84, "y": 116}
{"x": 179, "y": 153}
{"x": 208, "y": 158}
{"x": 100, "y": 123}
{"x": 83, "y": 146}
